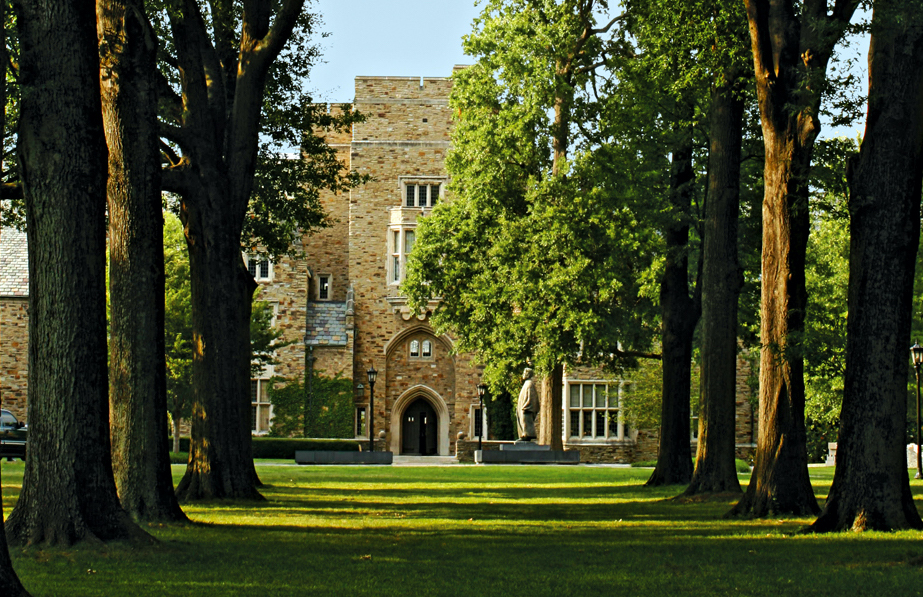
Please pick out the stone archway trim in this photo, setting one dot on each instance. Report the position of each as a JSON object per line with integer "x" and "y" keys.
{"x": 438, "y": 404}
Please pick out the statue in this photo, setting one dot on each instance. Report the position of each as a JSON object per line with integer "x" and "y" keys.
{"x": 527, "y": 407}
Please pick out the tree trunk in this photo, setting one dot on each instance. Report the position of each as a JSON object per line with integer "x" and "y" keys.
{"x": 176, "y": 444}
{"x": 68, "y": 491}
{"x": 137, "y": 366}
{"x": 9, "y": 582}
{"x": 790, "y": 55}
{"x": 550, "y": 422}
{"x": 220, "y": 449}
{"x": 715, "y": 470}
{"x": 680, "y": 314}
{"x": 870, "y": 488}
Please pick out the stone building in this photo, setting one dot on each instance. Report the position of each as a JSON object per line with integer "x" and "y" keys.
{"x": 14, "y": 321}
{"x": 340, "y": 307}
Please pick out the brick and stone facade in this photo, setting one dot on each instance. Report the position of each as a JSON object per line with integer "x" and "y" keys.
{"x": 340, "y": 306}
{"x": 14, "y": 321}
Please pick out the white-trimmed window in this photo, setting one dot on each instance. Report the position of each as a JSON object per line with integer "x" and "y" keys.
{"x": 361, "y": 424}
{"x": 324, "y": 291}
{"x": 259, "y": 267}
{"x": 260, "y": 408}
{"x": 593, "y": 410}
{"x": 421, "y": 194}
{"x": 400, "y": 244}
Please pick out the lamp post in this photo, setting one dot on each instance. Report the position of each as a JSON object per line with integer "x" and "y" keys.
{"x": 371, "y": 422}
{"x": 482, "y": 389}
{"x": 916, "y": 351}
{"x": 309, "y": 395}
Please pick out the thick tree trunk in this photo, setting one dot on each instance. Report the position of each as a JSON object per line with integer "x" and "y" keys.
{"x": 550, "y": 421}
{"x": 680, "y": 314}
{"x": 176, "y": 444}
{"x": 715, "y": 470}
{"x": 68, "y": 492}
{"x": 790, "y": 54}
{"x": 137, "y": 367}
{"x": 220, "y": 449}
{"x": 870, "y": 488}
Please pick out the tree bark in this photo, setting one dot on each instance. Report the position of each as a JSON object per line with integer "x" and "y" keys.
{"x": 220, "y": 449}
{"x": 871, "y": 490}
{"x": 176, "y": 444}
{"x": 715, "y": 470}
{"x": 137, "y": 365}
{"x": 550, "y": 422}
{"x": 68, "y": 491}
{"x": 790, "y": 54}
{"x": 680, "y": 313}
{"x": 219, "y": 135}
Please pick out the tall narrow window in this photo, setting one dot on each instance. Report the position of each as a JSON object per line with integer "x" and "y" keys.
{"x": 414, "y": 348}
{"x": 433, "y": 194}
{"x": 360, "y": 422}
{"x": 411, "y": 191}
{"x": 323, "y": 287}
{"x": 423, "y": 192}
{"x": 427, "y": 350}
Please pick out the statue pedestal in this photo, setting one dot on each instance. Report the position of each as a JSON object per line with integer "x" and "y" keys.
{"x": 524, "y": 445}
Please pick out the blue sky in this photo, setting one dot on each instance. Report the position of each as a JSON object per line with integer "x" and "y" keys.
{"x": 407, "y": 38}
{"x": 413, "y": 38}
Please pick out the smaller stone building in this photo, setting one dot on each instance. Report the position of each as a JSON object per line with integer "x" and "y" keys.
{"x": 14, "y": 321}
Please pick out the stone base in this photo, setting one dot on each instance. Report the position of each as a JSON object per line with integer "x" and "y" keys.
{"x": 338, "y": 457}
{"x": 524, "y": 445}
{"x": 520, "y": 456}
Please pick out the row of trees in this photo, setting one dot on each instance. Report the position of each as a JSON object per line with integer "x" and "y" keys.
{"x": 613, "y": 162}
{"x": 117, "y": 101}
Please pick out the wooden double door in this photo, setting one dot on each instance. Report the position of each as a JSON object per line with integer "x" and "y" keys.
{"x": 419, "y": 429}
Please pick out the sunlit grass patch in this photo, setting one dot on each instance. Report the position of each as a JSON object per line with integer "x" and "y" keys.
{"x": 530, "y": 531}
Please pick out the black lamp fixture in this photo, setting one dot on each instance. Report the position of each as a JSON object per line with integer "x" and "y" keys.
{"x": 482, "y": 389}
{"x": 916, "y": 352}
{"x": 371, "y": 419}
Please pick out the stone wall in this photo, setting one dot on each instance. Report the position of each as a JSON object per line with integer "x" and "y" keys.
{"x": 14, "y": 355}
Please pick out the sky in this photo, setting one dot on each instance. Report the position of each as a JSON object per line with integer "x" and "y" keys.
{"x": 400, "y": 38}
{"x": 415, "y": 38}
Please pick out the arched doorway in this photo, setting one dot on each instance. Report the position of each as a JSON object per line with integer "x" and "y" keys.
{"x": 419, "y": 428}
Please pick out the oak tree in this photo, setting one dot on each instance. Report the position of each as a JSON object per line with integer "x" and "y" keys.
{"x": 68, "y": 491}
{"x": 870, "y": 489}
{"x": 792, "y": 43}
{"x": 137, "y": 369}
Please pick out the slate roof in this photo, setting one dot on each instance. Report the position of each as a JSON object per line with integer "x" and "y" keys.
{"x": 14, "y": 263}
{"x": 326, "y": 323}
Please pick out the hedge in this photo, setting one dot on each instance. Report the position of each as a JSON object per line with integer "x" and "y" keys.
{"x": 284, "y": 447}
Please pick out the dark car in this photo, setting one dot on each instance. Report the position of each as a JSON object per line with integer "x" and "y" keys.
{"x": 13, "y": 436}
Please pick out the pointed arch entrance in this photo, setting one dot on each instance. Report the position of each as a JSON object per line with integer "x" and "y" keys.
{"x": 420, "y": 423}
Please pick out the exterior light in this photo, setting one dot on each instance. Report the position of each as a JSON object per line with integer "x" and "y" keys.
{"x": 371, "y": 418}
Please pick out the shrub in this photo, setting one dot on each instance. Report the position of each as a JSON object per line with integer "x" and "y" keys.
{"x": 283, "y": 447}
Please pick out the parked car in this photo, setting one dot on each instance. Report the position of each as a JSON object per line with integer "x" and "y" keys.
{"x": 13, "y": 436}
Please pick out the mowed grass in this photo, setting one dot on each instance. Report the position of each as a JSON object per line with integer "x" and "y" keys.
{"x": 465, "y": 530}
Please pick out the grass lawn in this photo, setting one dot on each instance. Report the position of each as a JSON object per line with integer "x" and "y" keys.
{"x": 466, "y": 530}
